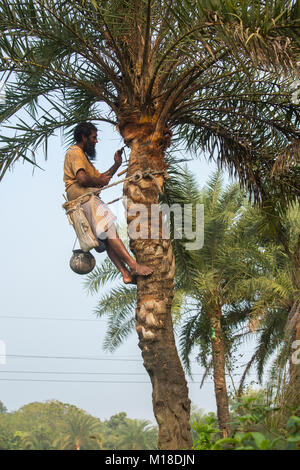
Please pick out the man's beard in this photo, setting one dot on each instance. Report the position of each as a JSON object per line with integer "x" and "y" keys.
{"x": 90, "y": 149}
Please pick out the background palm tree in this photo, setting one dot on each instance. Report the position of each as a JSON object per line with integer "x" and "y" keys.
{"x": 218, "y": 295}
{"x": 37, "y": 439}
{"x": 138, "y": 435}
{"x": 211, "y": 72}
{"x": 81, "y": 432}
{"x": 222, "y": 291}
{"x": 277, "y": 313}
{"x": 249, "y": 263}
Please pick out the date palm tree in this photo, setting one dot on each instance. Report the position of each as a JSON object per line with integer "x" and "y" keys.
{"x": 210, "y": 72}
{"x": 138, "y": 435}
{"x": 235, "y": 278}
{"x": 277, "y": 314}
{"x": 219, "y": 292}
{"x": 37, "y": 439}
{"x": 80, "y": 432}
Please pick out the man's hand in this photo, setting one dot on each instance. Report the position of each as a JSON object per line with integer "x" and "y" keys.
{"x": 118, "y": 157}
{"x": 104, "y": 179}
{"x": 118, "y": 161}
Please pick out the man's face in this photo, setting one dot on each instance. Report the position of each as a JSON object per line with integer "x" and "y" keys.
{"x": 90, "y": 144}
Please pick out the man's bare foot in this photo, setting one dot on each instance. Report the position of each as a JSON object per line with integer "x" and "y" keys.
{"x": 141, "y": 270}
{"x": 129, "y": 278}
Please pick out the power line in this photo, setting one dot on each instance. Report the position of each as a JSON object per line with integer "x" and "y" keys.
{"x": 73, "y": 373}
{"x": 70, "y": 373}
{"x": 72, "y": 358}
{"x": 15, "y": 317}
{"x": 85, "y": 381}
{"x": 94, "y": 373}
{"x": 85, "y": 358}
{"x": 72, "y": 381}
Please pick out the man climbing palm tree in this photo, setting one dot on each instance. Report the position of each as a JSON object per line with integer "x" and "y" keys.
{"x": 80, "y": 177}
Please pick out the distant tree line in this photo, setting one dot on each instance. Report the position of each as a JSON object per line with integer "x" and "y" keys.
{"x": 53, "y": 425}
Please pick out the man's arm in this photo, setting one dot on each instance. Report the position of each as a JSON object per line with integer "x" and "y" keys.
{"x": 88, "y": 181}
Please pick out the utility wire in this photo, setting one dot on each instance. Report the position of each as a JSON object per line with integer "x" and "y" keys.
{"x": 15, "y": 317}
{"x": 72, "y": 357}
{"x": 91, "y": 373}
{"x": 73, "y": 373}
{"x": 73, "y": 381}
{"x": 85, "y": 358}
{"x": 84, "y": 381}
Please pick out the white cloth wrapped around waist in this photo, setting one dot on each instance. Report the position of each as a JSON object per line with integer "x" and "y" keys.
{"x": 99, "y": 216}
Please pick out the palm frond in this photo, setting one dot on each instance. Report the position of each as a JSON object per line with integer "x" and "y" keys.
{"x": 118, "y": 302}
{"x": 118, "y": 305}
{"x": 168, "y": 59}
{"x": 117, "y": 333}
{"x": 101, "y": 275}
{"x": 270, "y": 338}
{"x": 195, "y": 333}
{"x": 246, "y": 372}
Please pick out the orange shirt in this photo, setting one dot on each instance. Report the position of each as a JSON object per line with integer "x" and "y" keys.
{"x": 76, "y": 160}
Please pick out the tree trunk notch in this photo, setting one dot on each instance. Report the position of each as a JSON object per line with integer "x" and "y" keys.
{"x": 171, "y": 404}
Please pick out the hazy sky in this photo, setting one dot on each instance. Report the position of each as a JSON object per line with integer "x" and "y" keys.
{"x": 46, "y": 315}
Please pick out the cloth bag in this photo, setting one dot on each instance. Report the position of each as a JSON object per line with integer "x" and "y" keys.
{"x": 78, "y": 219}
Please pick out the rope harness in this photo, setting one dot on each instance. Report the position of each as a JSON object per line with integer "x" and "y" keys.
{"x": 77, "y": 218}
{"x": 136, "y": 177}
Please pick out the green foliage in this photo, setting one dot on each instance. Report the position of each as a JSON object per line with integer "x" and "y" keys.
{"x": 123, "y": 433}
{"x": 277, "y": 232}
{"x": 9, "y": 440}
{"x": 204, "y": 433}
{"x": 59, "y": 426}
{"x": 242, "y": 266}
{"x": 254, "y": 440}
{"x": 251, "y": 409}
{"x": 248, "y": 441}
{"x": 255, "y": 425}
{"x": 137, "y": 435}
{"x": 79, "y": 431}
{"x": 250, "y": 427}
{"x": 39, "y": 437}
{"x": 226, "y": 271}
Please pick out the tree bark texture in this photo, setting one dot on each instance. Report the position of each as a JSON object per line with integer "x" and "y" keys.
{"x": 293, "y": 335}
{"x": 218, "y": 355}
{"x": 296, "y": 371}
{"x": 171, "y": 404}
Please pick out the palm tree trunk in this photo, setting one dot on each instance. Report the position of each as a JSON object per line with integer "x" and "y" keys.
{"x": 293, "y": 332}
{"x": 218, "y": 355}
{"x": 293, "y": 335}
{"x": 296, "y": 361}
{"x": 171, "y": 404}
